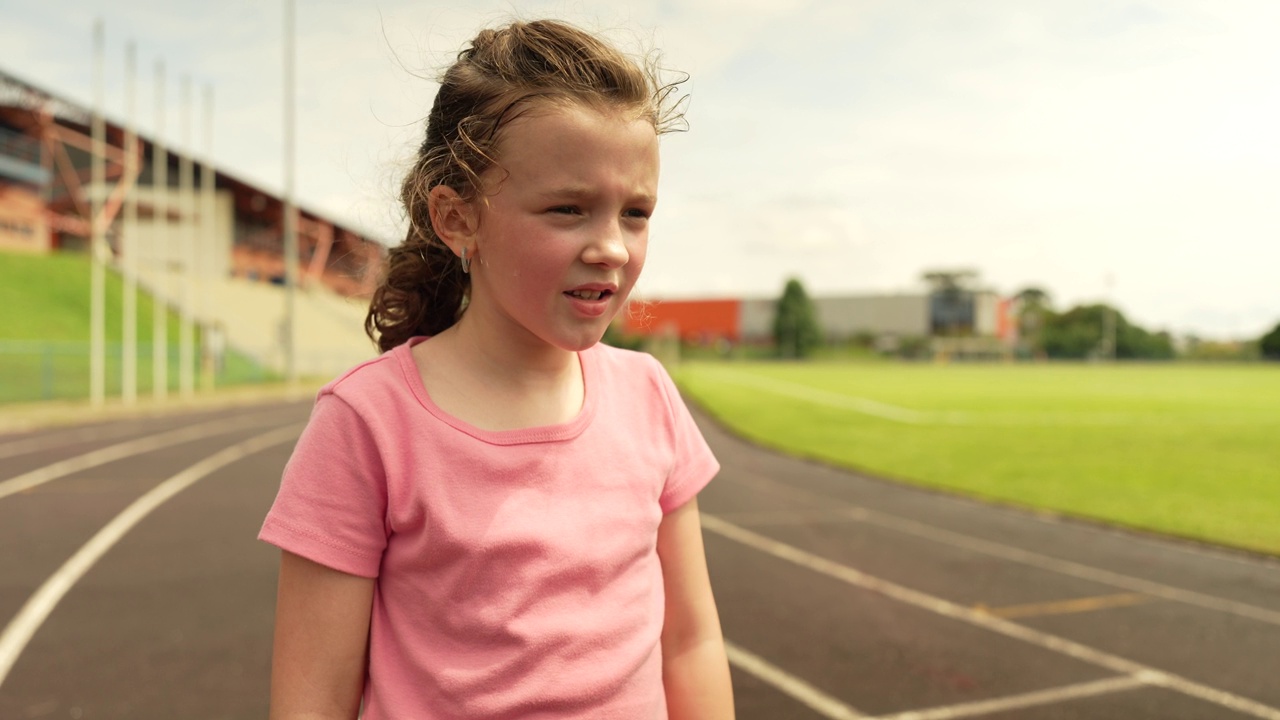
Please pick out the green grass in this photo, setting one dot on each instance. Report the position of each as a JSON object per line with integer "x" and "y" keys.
{"x": 44, "y": 332}
{"x": 1181, "y": 449}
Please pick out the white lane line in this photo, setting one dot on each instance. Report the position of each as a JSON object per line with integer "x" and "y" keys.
{"x": 946, "y": 608}
{"x": 1025, "y": 557}
{"x": 24, "y": 625}
{"x": 776, "y": 518}
{"x": 101, "y": 456}
{"x": 790, "y": 684}
{"x": 1017, "y": 702}
{"x": 44, "y": 442}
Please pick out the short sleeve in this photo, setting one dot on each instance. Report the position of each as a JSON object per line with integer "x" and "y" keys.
{"x": 693, "y": 464}
{"x": 332, "y": 503}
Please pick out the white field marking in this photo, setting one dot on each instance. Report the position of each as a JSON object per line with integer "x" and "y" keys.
{"x": 101, "y": 456}
{"x": 910, "y": 416}
{"x": 946, "y": 608}
{"x": 38, "y": 607}
{"x": 790, "y": 684}
{"x": 44, "y": 442}
{"x": 873, "y": 408}
{"x": 1026, "y": 557}
{"x": 1016, "y": 702}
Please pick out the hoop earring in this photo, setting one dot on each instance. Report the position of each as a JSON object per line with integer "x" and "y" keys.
{"x": 466, "y": 264}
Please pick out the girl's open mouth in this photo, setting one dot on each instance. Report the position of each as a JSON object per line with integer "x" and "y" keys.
{"x": 589, "y": 294}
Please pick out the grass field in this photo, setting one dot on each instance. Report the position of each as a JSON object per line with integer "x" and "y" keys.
{"x": 44, "y": 332}
{"x": 1181, "y": 449}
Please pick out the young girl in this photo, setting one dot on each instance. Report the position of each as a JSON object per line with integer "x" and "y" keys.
{"x": 497, "y": 517}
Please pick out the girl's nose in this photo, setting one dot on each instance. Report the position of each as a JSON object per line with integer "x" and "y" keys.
{"x": 609, "y": 248}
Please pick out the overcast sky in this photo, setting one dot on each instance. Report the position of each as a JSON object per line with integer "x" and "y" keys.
{"x": 1094, "y": 148}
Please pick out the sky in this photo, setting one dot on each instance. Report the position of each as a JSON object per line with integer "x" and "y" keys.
{"x": 1102, "y": 150}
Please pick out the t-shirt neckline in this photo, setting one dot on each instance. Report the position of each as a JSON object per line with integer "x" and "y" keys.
{"x": 520, "y": 436}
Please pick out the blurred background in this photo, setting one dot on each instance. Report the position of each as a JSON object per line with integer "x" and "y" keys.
{"x": 924, "y": 169}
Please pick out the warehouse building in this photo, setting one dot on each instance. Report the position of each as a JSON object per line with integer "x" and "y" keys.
{"x": 964, "y": 322}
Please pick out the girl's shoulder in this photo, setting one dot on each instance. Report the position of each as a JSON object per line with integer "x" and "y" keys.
{"x": 619, "y": 367}
{"x": 375, "y": 381}
{"x": 622, "y": 359}
{"x": 637, "y": 375}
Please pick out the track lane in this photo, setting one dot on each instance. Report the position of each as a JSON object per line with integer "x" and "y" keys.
{"x": 175, "y": 620}
{"x": 824, "y": 512}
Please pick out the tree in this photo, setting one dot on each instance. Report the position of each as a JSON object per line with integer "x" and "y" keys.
{"x": 1033, "y": 307}
{"x": 1078, "y": 334}
{"x": 795, "y": 324}
{"x": 1269, "y": 344}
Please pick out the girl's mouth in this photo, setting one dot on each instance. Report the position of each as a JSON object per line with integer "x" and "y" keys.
{"x": 589, "y": 294}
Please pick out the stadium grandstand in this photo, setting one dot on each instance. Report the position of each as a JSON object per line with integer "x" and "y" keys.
{"x": 235, "y": 228}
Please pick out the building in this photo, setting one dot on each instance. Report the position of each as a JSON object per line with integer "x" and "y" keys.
{"x": 45, "y": 192}
{"x": 195, "y": 224}
{"x": 980, "y": 315}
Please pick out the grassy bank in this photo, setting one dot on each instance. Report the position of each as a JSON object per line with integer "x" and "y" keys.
{"x": 44, "y": 332}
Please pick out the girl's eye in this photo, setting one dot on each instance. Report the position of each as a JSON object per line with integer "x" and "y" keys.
{"x": 564, "y": 209}
{"x": 637, "y": 213}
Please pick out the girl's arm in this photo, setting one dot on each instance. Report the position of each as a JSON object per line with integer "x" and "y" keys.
{"x": 695, "y": 669}
{"x": 321, "y": 641}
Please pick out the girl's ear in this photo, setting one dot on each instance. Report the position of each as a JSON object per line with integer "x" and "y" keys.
{"x": 453, "y": 218}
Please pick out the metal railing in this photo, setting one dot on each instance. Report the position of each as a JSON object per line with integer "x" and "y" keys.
{"x": 33, "y": 370}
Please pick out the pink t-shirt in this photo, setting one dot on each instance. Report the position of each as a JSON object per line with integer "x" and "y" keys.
{"x": 517, "y": 575}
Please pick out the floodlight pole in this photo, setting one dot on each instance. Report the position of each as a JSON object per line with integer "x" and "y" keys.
{"x": 129, "y": 240}
{"x": 186, "y": 329}
{"x": 207, "y": 179}
{"x": 1109, "y": 322}
{"x": 97, "y": 233}
{"x": 290, "y": 212}
{"x": 160, "y": 249}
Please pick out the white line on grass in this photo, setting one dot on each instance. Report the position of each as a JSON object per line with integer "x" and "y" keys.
{"x": 873, "y": 408}
{"x": 1017, "y": 702}
{"x": 790, "y": 684}
{"x": 897, "y": 413}
{"x": 949, "y": 609}
{"x": 1025, "y": 557}
{"x": 24, "y": 625}
{"x": 102, "y": 456}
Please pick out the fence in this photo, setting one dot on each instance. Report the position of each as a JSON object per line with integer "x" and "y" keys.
{"x": 32, "y": 370}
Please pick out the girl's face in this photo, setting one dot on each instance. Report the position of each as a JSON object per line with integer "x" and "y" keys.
{"x": 563, "y": 225}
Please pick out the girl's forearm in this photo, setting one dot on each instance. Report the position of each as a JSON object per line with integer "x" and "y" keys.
{"x": 696, "y": 680}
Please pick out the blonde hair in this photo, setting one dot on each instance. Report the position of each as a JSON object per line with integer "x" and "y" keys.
{"x": 501, "y": 75}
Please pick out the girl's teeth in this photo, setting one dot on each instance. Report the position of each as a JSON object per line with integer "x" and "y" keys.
{"x": 585, "y": 295}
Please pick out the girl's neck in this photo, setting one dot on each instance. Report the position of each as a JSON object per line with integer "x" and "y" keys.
{"x": 516, "y": 359}
{"x": 500, "y": 383}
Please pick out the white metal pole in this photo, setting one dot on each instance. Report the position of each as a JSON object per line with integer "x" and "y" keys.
{"x": 97, "y": 239}
{"x": 210, "y": 261}
{"x": 186, "y": 217}
{"x": 129, "y": 240}
{"x": 160, "y": 249}
{"x": 1112, "y": 350}
{"x": 290, "y": 212}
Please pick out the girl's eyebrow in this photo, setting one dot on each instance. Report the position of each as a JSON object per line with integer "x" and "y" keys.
{"x": 571, "y": 192}
{"x": 577, "y": 192}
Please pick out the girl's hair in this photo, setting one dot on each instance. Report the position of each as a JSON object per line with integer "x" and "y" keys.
{"x": 495, "y": 80}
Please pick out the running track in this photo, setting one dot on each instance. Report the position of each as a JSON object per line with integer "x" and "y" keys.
{"x": 131, "y": 586}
